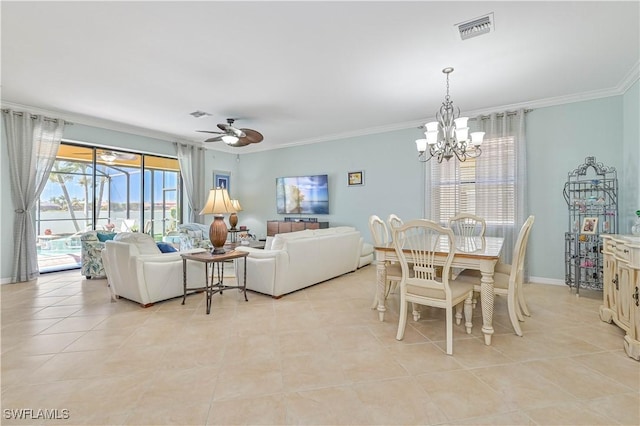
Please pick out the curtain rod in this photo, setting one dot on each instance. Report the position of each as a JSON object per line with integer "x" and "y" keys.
{"x": 500, "y": 114}
{"x": 34, "y": 116}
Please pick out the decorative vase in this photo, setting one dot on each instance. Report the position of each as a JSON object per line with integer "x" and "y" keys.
{"x": 635, "y": 229}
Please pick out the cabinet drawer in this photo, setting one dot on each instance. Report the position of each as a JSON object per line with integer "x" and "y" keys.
{"x": 622, "y": 252}
{"x": 609, "y": 246}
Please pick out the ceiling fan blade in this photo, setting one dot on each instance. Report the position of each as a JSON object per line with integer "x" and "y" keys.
{"x": 252, "y": 136}
{"x": 210, "y": 131}
{"x": 216, "y": 139}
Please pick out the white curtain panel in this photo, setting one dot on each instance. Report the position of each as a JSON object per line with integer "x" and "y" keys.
{"x": 493, "y": 186}
{"x": 33, "y": 142}
{"x": 191, "y": 159}
{"x": 503, "y": 160}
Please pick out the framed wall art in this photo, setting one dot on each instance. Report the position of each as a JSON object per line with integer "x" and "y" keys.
{"x": 589, "y": 225}
{"x": 222, "y": 179}
{"x": 355, "y": 178}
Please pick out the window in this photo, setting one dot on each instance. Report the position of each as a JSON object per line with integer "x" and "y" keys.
{"x": 484, "y": 186}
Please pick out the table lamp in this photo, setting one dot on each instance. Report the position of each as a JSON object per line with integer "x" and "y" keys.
{"x": 233, "y": 218}
{"x": 218, "y": 204}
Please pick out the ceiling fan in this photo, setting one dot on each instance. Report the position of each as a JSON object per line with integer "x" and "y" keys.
{"x": 106, "y": 155}
{"x": 110, "y": 157}
{"x": 233, "y": 136}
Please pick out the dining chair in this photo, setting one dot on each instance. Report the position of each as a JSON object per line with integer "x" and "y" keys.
{"x": 394, "y": 221}
{"x": 468, "y": 225}
{"x": 508, "y": 279}
{"x": 418, "y": 242}
{"x": 380, "y": 235}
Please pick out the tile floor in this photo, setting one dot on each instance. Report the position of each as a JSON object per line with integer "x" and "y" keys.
{"x": 319, "y": 356}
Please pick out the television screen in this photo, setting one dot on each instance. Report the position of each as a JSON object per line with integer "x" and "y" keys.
{"x": 302, "y": 194}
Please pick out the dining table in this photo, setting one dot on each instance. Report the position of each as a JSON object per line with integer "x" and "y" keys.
{"x": 478, "y": 253}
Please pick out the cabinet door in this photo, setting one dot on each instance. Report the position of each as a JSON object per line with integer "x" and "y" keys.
{"x": 284, "y": 227}
{"x": 297, "y": 226}
{"x": 609, "y": 273}
{"x": 272, "y": 228}
{"x": 634, "y": 331}
{"x": 624, "y": 300}
{"x": 313, "y": 225}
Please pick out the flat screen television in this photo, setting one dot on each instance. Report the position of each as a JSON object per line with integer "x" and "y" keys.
{"x": 302, "y": 194}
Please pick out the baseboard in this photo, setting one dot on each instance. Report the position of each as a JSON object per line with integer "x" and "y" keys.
{"x": 542, "y": 280}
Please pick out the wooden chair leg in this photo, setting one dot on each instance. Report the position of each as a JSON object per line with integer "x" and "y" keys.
{"x": 449, "y": 331}
{"x": 513, "y": 316}
{"x": 402, "y": 321}
{"x": 468, "y": 313}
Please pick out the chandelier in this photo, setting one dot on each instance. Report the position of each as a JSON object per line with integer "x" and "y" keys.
{"x": 449, "y": 135}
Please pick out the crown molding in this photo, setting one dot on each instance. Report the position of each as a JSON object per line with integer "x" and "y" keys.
{"x": 625, "y": 84}
{"x": 101, "y": 123}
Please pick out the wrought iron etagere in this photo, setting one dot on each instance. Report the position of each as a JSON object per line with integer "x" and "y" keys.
{"x": 591, "y": 193}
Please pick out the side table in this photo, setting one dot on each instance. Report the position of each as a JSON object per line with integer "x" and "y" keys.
{"x": 210, "y": 261}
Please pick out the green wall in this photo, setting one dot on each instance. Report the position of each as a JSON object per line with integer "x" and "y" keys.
{"x": 558, "y": 140}
{"x": 631, "y": 158}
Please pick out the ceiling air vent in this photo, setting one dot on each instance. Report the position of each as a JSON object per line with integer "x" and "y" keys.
{"x": 476, "y": 27}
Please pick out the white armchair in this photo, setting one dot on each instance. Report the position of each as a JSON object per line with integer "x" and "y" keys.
{"x": 137, "y": 270}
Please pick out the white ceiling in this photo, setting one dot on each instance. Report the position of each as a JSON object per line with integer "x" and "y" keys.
{"x": 302, "y": 72}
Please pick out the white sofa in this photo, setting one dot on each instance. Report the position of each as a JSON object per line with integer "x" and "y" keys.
{"x": 296, "y": 260}
{"x": 137, "y": 270}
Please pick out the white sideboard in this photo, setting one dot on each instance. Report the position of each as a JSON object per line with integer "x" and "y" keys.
{"x": 621, "y": 283}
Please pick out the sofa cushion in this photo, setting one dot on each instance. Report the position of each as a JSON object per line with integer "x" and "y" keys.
{"x": 166, "y": 248}
{"x": 103, "y": 236}
{"x": 268, "y": 243}
{"x": 143, "y": 242}
{"x": 280, "y": 240}
{"x": 367, "y": 249}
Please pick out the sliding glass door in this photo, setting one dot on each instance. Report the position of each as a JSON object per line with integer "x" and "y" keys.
{"x": 93, "y": 188}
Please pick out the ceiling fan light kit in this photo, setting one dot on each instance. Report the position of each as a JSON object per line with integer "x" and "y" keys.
{"x": 229, "y": 139}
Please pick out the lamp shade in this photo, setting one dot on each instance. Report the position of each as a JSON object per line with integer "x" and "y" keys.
{"x": 432, "y": 126}
{"x": 432, "y": 137}
{"x": 218, "y": 202}
{"x": 461, "y": 122}
{"x": 229, "y": 139}
{"x": 476, "y": 138}
{"x": 236, "y": 205}
{"x": 421, "y": 144}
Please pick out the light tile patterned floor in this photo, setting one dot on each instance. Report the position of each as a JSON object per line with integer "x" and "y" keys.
{"x": 318, "y": 356}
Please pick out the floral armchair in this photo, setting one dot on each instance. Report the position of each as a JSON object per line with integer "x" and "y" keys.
{"x": 194, "y": 235}
{"x": 92, "y": 243}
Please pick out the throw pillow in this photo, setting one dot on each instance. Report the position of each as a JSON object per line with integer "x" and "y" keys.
{"x": 102, "y": 237}
{"x": 166, "y": 247}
